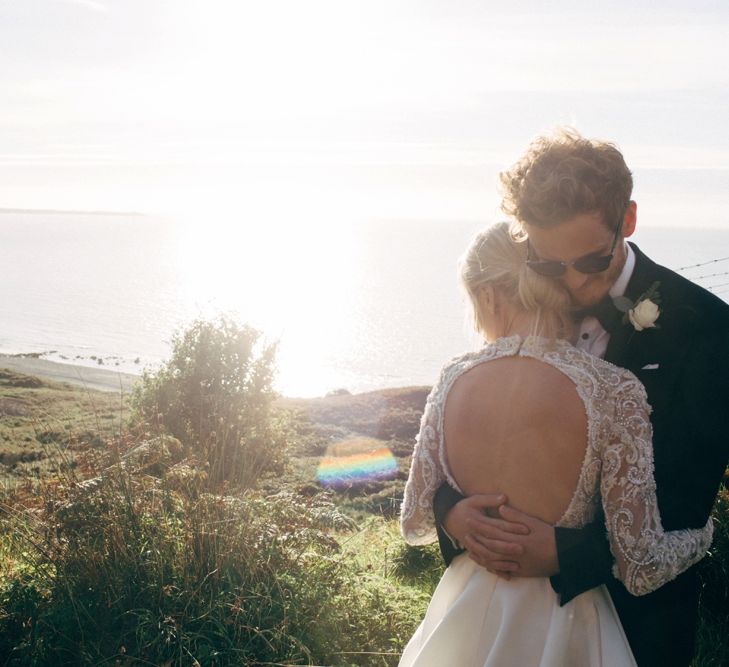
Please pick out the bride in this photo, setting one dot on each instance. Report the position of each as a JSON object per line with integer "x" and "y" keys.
{"x": 558, "y": 431}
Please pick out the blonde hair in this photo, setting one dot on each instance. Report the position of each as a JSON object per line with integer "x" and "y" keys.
{"x": 562, "y": 175}
{"x": 497, "y": 257}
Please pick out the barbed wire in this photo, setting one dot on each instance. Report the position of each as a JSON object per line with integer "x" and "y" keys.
{"x": 720, "y": 288}
{"x": 696, "y": 266}
{"x": 708, "y": 275}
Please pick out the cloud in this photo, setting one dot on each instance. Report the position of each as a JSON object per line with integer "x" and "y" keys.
{"x": 93, "y": 5}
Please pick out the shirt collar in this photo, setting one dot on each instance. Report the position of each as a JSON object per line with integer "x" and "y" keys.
{"x": 621, "y": 284}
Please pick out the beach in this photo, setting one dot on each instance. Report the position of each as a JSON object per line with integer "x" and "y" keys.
{"x": 92, "y": 378}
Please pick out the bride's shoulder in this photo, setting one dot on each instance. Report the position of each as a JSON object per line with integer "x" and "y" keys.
{"x": 617, "y": 381}
{"x": 461, "y": 363}
{"x": 609, "y": 369}
{"x": 499, "y": 348}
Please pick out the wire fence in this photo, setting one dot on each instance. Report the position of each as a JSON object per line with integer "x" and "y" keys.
{"x": 717, "y": 288}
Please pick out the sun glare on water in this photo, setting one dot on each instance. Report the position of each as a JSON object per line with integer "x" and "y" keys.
{"x": 293, "y": 280}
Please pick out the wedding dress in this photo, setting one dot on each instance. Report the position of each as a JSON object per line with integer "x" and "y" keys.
{"x": 476, "y": 619}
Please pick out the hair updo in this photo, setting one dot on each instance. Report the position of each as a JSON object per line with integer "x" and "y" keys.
{"x": 496, "y": 256}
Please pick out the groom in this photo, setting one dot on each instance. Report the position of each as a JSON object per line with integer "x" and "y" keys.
{"x": 572, "y": 197}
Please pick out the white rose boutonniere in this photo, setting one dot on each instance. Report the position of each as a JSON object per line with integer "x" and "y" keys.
{"x": 644, "y": 315}
{"x": 644, "y": 312}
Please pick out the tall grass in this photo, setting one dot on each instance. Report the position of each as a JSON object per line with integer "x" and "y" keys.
{"x": 713, "y": 633}
{"x": 136, "y": 569}
{"x": 163, "y": 552}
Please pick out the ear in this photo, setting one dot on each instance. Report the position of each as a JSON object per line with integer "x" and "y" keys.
{"x": 487, "y": 298}
{"x": 630, "y": 219}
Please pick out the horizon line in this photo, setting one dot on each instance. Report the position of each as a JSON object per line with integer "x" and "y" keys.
{"x": 58, "y": 211}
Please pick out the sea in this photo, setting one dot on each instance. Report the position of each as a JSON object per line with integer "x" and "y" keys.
{"x": 357, "y": 306}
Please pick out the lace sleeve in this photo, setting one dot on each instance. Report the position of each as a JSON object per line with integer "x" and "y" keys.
{"x": 646, "y": 556}
{"x": 417, "y": 522}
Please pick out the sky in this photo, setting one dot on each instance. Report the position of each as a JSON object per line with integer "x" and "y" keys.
{"x": 332, "y": 109}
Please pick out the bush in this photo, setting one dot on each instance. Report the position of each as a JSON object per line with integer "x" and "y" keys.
{"x": 215, "y": 395}
{"x": 129, "y": 572}
{"x": 713, "y": 634}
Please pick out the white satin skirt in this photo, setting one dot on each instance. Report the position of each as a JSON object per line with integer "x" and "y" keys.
{"x": 476, "y": 619}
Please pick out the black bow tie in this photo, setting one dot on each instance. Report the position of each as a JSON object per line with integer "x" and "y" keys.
{"x": 607, "y": 314}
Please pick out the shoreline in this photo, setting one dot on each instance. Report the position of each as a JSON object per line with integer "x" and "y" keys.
{"x": 82, "y": 376}
{"x": 104, "y": 379}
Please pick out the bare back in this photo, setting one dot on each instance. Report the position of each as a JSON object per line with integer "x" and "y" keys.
{"x": 517, "y": 425}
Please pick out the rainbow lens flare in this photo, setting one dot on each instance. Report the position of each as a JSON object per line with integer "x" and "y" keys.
{"x": 355, "y": 462}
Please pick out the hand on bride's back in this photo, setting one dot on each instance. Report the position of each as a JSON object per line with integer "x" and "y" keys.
{"x": 502, "y": 539}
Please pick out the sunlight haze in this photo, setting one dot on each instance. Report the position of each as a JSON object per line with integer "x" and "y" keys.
{"x": 317, "y": 167}
{"x": 348, "y": 109}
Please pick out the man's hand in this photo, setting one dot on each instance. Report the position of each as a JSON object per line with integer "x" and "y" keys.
{"x": 512, "y": 543}
{"x": 539, "y": 555}
{"x": 488, "y": 539}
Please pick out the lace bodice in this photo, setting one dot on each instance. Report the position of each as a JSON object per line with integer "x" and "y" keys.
{"x": 617, "y": 469}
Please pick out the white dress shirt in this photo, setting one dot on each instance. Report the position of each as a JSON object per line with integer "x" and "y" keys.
{"x": 592, "y": 337}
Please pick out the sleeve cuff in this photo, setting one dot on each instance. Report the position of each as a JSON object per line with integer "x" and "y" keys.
{"x": 584, "y": 558}
{"x": 456, "y": 544}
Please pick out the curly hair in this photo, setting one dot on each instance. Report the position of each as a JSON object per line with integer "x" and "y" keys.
{"x": 563, "y": 175}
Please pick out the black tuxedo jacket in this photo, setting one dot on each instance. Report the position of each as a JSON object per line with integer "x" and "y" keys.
{"x": 684, "y": 366}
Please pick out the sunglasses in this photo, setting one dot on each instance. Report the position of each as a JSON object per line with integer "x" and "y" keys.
{"x": 589, "y": 264}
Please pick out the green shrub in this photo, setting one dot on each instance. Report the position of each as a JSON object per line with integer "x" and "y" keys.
{"x": 131, "y": 573}
{"x": 713, "y": 634}
{"x": 215, "y": 394}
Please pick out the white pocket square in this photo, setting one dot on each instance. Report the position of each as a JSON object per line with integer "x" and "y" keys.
{"x": 650, "y": 367}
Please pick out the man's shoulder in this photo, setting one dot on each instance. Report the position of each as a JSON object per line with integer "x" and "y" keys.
{"x": 683, "y": 300}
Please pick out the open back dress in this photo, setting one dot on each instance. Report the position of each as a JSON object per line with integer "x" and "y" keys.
{"x": 477, "y": 619}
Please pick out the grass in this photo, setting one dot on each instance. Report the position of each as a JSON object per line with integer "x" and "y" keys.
{"x": 43, "y": 423}
{"x": 142, "y": 570}
{"x": 116, "y": 548}
{"x": 145, "y": 563}
{"x": 713, "y": 634}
